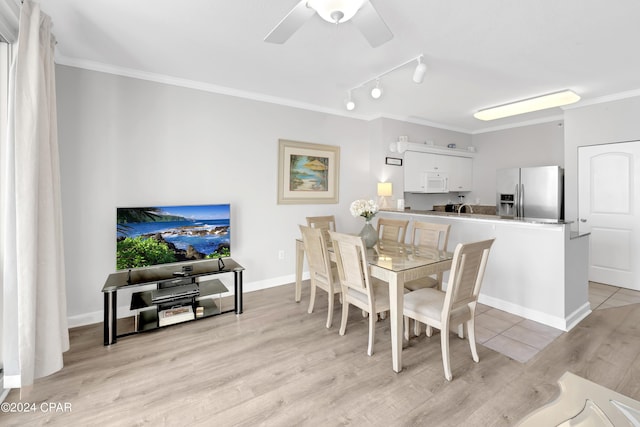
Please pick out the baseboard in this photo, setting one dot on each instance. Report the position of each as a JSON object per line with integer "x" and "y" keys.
{"x": 98, "y": 316}
{"x": 537, "y": 316}
{"x": 577, "y": 316}
{"x": 84, "y": 319}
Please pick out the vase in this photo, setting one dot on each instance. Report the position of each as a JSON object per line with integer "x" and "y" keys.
{"x": 369, "y": 235}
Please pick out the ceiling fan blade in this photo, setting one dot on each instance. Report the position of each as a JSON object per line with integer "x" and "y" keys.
{"x": 290, "y": 23}
{"x": 371, "y": 25}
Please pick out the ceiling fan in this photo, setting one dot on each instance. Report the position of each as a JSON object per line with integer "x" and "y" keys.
{"x": 361, "y": 12}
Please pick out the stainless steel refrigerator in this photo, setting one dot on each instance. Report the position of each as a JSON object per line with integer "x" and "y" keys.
{"x": 532, "y": 192}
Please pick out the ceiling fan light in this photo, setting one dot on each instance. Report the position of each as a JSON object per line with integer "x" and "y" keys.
{"x": 555, "y": 99}
{"x": 336, "y": 11}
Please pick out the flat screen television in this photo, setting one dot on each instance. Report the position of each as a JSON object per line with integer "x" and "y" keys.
{"x": 155, "y": 235}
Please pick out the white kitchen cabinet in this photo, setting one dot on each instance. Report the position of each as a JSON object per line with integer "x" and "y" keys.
{"x": 460, "y": 173}
{"x": 457, "y": 169}
{"x": 416, "y": 165}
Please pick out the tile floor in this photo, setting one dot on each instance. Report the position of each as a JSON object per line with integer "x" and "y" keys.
{"x": 521, "y": 339}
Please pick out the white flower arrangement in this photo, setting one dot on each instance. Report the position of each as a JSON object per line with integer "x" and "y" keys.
{"x": 364, "y": 208}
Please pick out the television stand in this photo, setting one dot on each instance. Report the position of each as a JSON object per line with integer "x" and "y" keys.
{"x": 178, "y": 296}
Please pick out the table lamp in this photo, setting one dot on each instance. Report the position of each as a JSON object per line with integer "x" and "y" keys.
{"x": 385, "y": 190}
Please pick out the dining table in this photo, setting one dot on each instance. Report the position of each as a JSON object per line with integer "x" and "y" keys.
{"x": 394, "y": 263}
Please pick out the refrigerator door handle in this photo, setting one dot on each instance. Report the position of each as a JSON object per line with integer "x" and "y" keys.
{"x": 516, "y": 205}
{"x": 522, "y": 200}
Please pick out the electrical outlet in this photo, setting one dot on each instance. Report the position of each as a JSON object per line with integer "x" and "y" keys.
{"x": 280, "y": 254}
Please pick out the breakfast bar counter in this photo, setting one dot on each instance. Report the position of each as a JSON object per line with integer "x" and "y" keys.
{"x": 538, "y": 269}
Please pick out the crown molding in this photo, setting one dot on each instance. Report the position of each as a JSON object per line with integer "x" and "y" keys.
{"x": 192, "y": 84}
{"x": 222, "y": 90}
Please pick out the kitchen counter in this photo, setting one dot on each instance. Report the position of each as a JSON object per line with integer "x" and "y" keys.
{"x": 537, "y": 269}
{"x": 481, "y": 216}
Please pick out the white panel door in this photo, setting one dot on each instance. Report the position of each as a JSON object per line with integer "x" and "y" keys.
{"x": 609, "y": 208}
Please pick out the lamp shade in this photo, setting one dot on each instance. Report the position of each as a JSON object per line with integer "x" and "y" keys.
{"x": 385, "y": 189}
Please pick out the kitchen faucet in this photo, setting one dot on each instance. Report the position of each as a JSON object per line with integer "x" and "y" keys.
{"x": 465, "y": 204}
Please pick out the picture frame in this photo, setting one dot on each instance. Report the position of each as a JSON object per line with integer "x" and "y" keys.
{"x": 394, "y": 161}
{"x": 308, "y": 173}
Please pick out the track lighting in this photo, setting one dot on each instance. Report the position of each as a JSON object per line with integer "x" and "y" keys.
{"x": 555, "y": 99}
{"x": 348, "y": 103}
{"x": 421, "y": 69}
{"x": 376, "y": 92}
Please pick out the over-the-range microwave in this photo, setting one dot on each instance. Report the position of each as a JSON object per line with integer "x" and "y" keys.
{"x": 435, "y": 182}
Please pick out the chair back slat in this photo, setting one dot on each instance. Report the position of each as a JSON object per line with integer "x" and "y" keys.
{"x": 394, "y": 230}
{"x": 467, "y": 272}
{"x": 351, "y": 261}
{"x": 325, "y": 223}
{"x": 315, "y": 248}
{"x": 431, "y": 235}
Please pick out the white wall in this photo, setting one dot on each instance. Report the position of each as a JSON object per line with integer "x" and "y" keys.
{"x": 609, "y": 122}
{"x": 533, "y": 145}
{"x": 129, "y": 142}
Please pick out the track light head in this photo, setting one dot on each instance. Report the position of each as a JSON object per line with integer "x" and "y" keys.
{"x": 421, "y": 69}
{"x": 348, "y": 103}
{"x": 376, "y": 92}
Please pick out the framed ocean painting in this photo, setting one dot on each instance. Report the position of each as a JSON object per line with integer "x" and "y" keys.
{"x": 307, "y": 173}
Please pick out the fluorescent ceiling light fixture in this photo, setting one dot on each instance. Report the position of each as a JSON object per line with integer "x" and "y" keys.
{"x": 555, "y": 99}
{"x": 336, "y": 11}
{"x": 376, "y": 92}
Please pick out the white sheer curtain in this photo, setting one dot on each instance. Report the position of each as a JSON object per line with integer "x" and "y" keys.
{"x": 35, "y": 330}
{"x": 9, "y": 13}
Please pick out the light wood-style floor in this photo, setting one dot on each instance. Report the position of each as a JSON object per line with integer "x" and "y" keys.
{"x": 276, "y": 365}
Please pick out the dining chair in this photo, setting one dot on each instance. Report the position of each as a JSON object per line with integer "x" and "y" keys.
{"x": 358, "y": 287}
{"x": 392, "y": 229}
{"x": 327, "y": 222}
{"x": 321, "y": 274}
{"x": 430, "y": 235}
{"x": 455, "y": 306}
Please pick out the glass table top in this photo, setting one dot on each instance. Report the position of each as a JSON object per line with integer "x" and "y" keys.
{"x": 399, "y": 256}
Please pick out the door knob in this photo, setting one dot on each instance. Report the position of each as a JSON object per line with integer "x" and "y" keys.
{"x": 583, "y": 220}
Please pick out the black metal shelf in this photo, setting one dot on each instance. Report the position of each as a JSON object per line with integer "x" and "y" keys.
{"x": 146, "y": 317}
